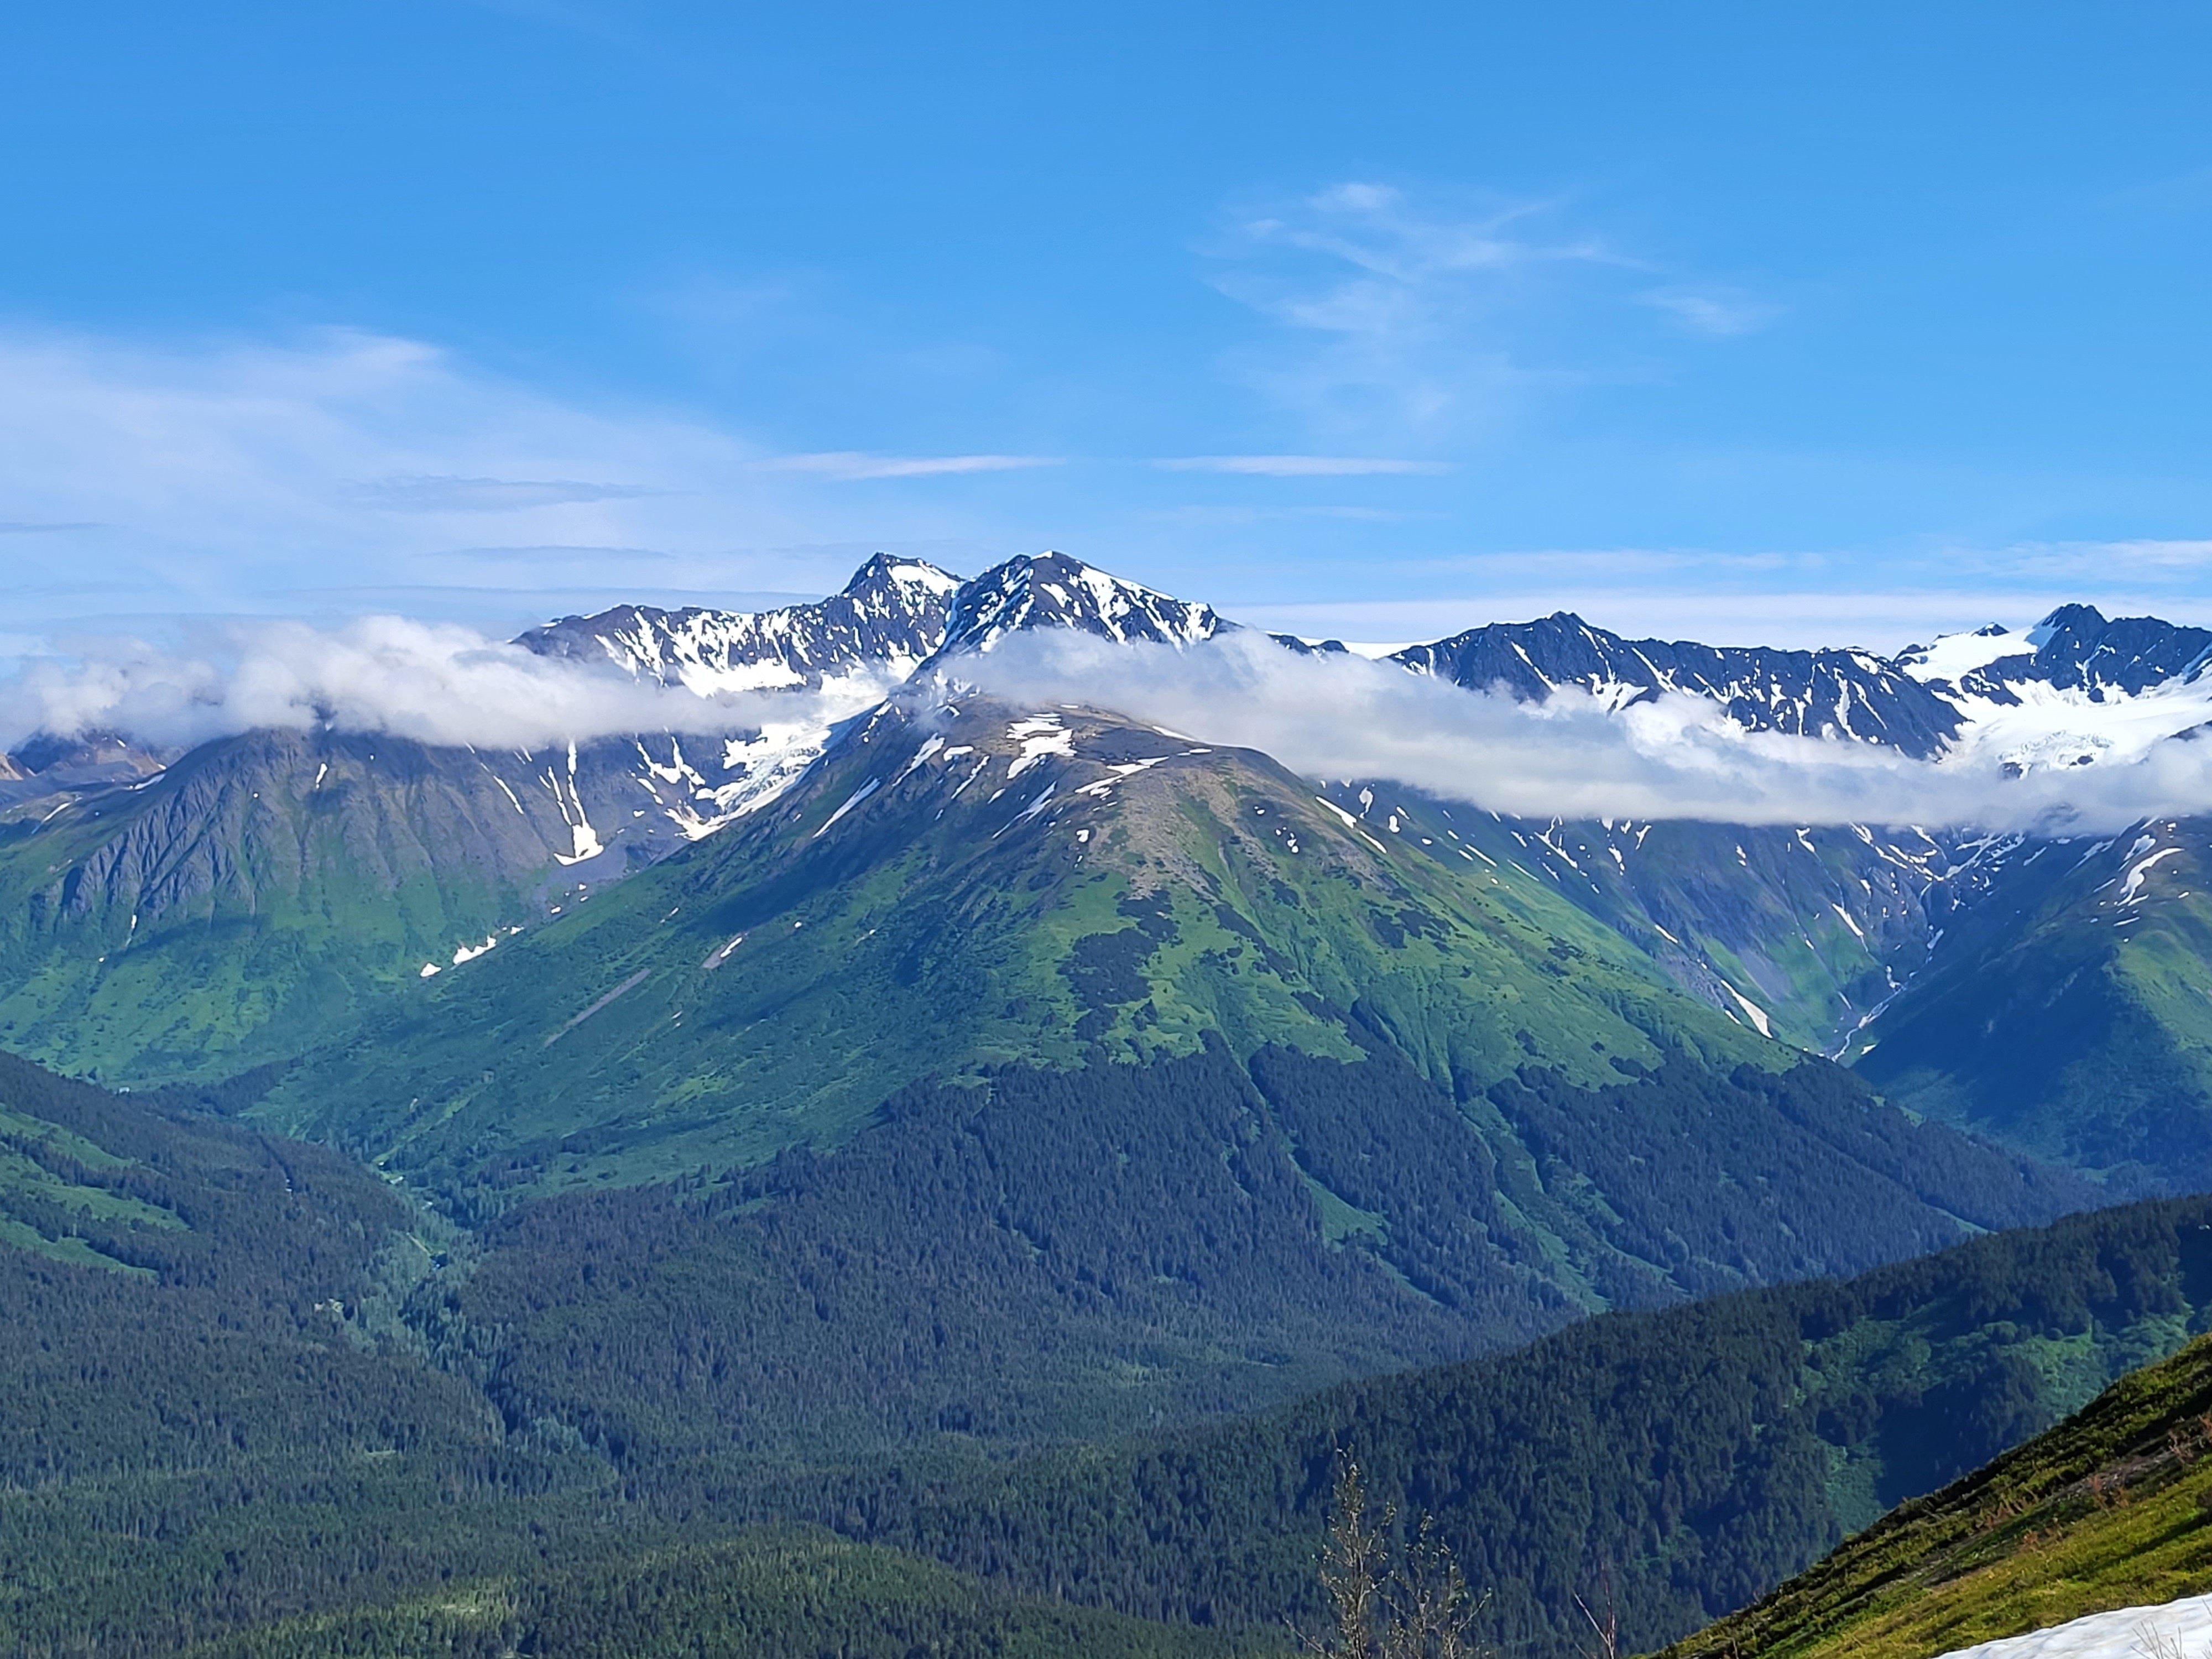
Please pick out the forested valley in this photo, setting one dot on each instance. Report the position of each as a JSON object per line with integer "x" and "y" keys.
{"x": 1031, "y": 1358}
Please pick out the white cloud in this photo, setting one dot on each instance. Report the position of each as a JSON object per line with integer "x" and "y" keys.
{"x": 1325, "y": 716}
{"x": 846, "y": 464}
{"x": 435, "y": 494}
{"x": 1719, "y": 313}
{"x": 279, "y": 473}
{"x": 1678, "y": 757}
{"x": 437, "y": 683}
{"x": 1298, "y": 467}
{"x": 1407, "y": 315}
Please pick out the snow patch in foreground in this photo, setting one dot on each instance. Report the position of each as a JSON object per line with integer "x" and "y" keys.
{"x": 2183, "y": 1626}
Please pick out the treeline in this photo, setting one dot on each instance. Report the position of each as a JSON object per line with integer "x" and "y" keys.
{"x": 1057, "y": 1255}
{"x": 210, "y": 1412}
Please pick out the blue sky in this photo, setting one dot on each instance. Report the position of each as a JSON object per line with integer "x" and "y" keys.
{"x": 1739, "y": 322}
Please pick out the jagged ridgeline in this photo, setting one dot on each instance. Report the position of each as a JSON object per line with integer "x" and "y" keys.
{"x": 267, "y": 895}
{"x": 192, "y": 919}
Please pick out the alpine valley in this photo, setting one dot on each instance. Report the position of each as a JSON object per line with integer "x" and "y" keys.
{"x": 917, "y": 1169}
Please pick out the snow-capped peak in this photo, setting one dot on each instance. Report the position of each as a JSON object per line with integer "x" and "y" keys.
{"x": 1846, "y": 694}
{"x": 1952, "y": 656}
{"x": 889, "y": 617}
{"x": 1051, "y": 590}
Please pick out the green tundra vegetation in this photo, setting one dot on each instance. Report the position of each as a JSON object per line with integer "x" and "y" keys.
{"x": 1032, "y": 1189}
{"x": 2111, "y": 1509}
{"x": 887, "y": 923}
{"x": 260, "y": 893}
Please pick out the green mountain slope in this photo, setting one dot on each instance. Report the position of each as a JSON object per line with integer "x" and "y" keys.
{"x": 2111, "y": 1509}
{"x": 1074, "y": 1254}
{"x": 1158, "y": 1086}
{"x": 953, "y": 890}
{"x": 2069, "y": 1011}
{"x": 255, "y": 896}
{"x": 1813, "y": 928}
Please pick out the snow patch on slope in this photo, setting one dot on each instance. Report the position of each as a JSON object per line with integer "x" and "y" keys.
{"x": 1954, "y": 656}
{"x": 1039, "y": 736}
{"x": 2177, "y": 1627}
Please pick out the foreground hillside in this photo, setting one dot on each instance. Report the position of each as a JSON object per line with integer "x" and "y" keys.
{"x": 1680, "y": 1463}
{"x": 2111, "y": 1509}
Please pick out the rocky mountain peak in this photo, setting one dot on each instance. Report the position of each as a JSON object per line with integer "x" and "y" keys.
{"x": 887, "y": 619}
{"x": 1051, "y": 590}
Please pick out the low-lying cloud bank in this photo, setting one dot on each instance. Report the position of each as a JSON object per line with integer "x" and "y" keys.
{"x": 1325, "y": 716}
{"x": 1677, "y": 758}
{"x": 435, "y": 682}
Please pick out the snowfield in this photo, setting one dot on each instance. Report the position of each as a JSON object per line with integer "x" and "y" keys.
{"x": 2179, "y": 1629}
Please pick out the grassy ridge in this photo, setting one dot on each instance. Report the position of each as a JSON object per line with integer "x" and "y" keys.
{"x": 2111, "y": 1509}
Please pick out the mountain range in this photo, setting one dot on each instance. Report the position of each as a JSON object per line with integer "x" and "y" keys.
{"x": 192, "y": 916}
{"x": 896, "y": 1104}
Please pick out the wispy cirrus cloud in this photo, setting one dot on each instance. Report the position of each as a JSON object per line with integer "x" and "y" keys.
{"x": 1437, "y": 313}
{"x": 230, "y": 473}
{"x": 1300, "y": 466}
{"x": 563, "y": 553}
{"x": 1718, "y": 313}
{"x": 852, "y": 463}
{"x": 436, "y": 494}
